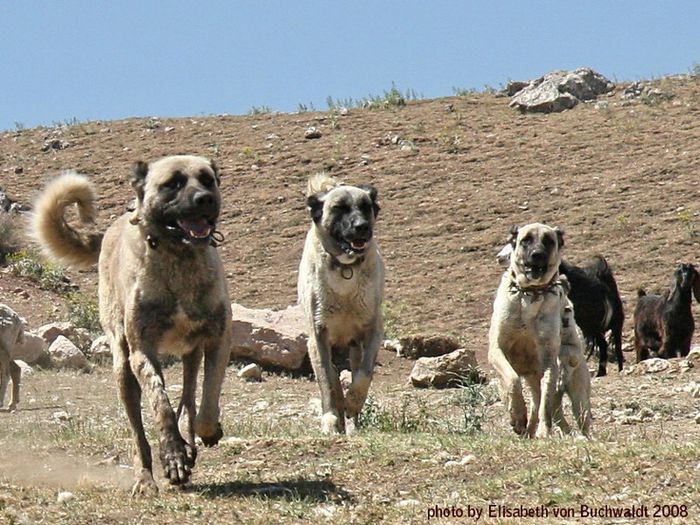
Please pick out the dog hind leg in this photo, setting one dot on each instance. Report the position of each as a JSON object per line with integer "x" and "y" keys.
{"x": 579, "y": 390}
{"x": 187, "y": 410}
{"x": 216, "y": 357}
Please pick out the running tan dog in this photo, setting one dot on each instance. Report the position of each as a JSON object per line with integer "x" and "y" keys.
{"x": 11, "y": 335}
{"x": 161, "y": 290}
{"x": 533, "y": 335}
{"x": 341, "y": 285}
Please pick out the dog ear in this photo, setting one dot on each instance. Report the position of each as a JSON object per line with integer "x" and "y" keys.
{"x": 372, "y": 195}
{"x": 560, "y": 236}
{"x": 314, "y": 203}
{"x": 215, "y": 169}
{"x": 696, "y": 286}
{"x": 138, "y": 182}
{"x": 138, "y": 179}
{"x": 513, "y": 234}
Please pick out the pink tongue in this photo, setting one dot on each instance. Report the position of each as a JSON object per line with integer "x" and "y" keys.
{"x": 197, "y": 228}
{"x": 358, "y": 245}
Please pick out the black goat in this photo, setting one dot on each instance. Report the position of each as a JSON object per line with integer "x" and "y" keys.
{"x": 597, "y": 304}
{"x": 663, "y": 324}
{"x": 597, "y": 307}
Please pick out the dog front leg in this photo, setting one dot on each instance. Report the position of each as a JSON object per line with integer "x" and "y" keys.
{"x": 16, "y": 376}
{"x": 216, "y": 358}
{"x": 362, "y": 374}
{"x": 4, "y": 371}
{"x": 173, "y": 452}
{"x": 533, "y": 381}
{"x": 511, "y": 389}
{"x": 130, "y": 395}
{"x": 332, "y": 403}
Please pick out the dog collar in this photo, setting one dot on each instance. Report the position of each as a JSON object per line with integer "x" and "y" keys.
{"x": 535, "y": 291}
{"x": 346, "y": 270}
{"x": 215, "y": 239}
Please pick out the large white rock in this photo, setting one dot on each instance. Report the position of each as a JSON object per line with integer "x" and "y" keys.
{"x": 446, "y": 370}
{"x": 560, "y": 90}
{"x": 78, "y": 336}
{"x": 64, "y": 354}
{"x": 275, "y": 338}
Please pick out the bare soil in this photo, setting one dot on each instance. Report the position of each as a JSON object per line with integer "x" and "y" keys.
{"x": 453, "y": 175}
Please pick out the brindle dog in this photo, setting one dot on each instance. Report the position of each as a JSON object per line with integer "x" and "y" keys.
{"x": 161, "y": 290}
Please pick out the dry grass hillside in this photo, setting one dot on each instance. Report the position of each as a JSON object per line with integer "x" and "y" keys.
{"x": 622, "y": 178}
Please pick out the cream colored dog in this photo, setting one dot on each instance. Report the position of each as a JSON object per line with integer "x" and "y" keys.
{"x": 11, "y": 335}
{"x": 341, "y": 285}
{"x": 533, "y": 336}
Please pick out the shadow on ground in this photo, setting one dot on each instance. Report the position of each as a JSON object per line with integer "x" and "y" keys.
{"x": 293, "y": 490}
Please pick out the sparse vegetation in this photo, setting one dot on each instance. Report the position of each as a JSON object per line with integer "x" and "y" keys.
{"x": 84, "y": 312}
{"x": 49, "y": 277}
{"x": 10, "y": 239}
{"x": 391, "y": 99}
{"x": 260, "y": 110}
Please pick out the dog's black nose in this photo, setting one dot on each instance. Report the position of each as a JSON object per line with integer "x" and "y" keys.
{"x": 539, "y": 256}
{"x": 203, "y": 199}
{"x": 361, "y": 228}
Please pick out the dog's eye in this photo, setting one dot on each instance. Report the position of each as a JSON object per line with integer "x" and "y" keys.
{"x": 548, "y": 242}
{"x": 206, "y": 180}
{"x": 176, "y": 183}
{"x": 526, "y": 240}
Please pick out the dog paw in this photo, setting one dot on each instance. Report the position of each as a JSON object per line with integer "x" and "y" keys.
{"x": 211, "y": 436}
{"x": 519, "y": 425}
{"x": 542, "y": 431}
{"x": 356, "y": 396}
{"x": 174, "y": 458}
{"x": 330, "y": 424}
{"x": 145, "y": 485}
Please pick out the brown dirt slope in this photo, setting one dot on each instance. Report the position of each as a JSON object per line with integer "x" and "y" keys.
{"x": 622, "y": 180}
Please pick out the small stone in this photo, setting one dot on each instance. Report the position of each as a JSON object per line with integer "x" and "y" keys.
{"x": 65, "y": 497}
{"x": 251, "y": 372}
{"x": 408, "y": 503}
{"x": 312, "y": 133}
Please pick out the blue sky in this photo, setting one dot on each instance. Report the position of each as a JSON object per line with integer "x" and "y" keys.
{"x": 90, "y": 60}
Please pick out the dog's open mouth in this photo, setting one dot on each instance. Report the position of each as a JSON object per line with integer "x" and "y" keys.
{"x": 193, "y": 229}
{"x": 354, "y": 247}
{"x": 535, "y": 271}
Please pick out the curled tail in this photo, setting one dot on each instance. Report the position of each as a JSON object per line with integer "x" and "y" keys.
{"x": 320, "y": 183}
{"x": 49, "y": 227}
